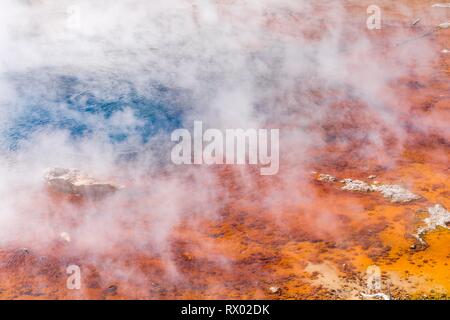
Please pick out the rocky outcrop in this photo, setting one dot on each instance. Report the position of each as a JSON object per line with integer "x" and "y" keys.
{"x": 326, "y": 178}
{"x": 438, "y": 217}
{"x": 64, "y": 236}
{"x": 356, "y": 185}
{"x": 395, "y": 193}
{"x": 376, "y": 296}
{"x": 78, "y": 183}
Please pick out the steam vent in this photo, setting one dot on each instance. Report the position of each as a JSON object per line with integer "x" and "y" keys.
{"x": 225, "y": 150}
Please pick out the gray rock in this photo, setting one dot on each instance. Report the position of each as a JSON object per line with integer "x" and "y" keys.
{"x": 379, "y": 295}
{"x": 441, "y": 5}
{"x": 438, "y": 217}
{"x": 75, "y": 182}
{"x": 326, "y": 178}
{"x": 356, "y": 185}
{"x": 275, "y": 290}
{"x": 396, "y": 193}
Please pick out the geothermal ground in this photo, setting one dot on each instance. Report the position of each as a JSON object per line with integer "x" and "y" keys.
{"x": 303, "y": 237}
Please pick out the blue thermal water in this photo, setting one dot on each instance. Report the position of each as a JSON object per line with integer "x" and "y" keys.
{"x": 71, "y": 106}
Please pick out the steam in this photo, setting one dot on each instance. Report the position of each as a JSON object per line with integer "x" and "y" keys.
{"x": 104, "y": 92}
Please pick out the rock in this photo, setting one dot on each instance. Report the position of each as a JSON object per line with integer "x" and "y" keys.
{"x": 75, "y": 182}
{"x": 23, "y": 251}
{"x": 372, "y": 176}
{"x": 326, "y": 178}
{"x": 438, "y": 217}
{"x": 379, "y": 295}
{"x": 275, "y": 290}
{"x": 356, "y": 185}
{"x": 441, "y": 5}
{"x": 396, "y": 193}
{"x": 64, "y": 236}
{"x": 112, "y": 290}
{"x": 444, "y": 25}
{"x": 416, "y": 22}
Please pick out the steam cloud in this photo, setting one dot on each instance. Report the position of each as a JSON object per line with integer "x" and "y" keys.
{"x": 104, "y": 95}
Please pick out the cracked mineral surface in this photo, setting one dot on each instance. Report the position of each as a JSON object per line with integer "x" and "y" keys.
{"x": 395, "y": 193}
{"x": 438, "y": 217}
{"x": 356, "y": 185}
{"x": 326, "y": 178}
